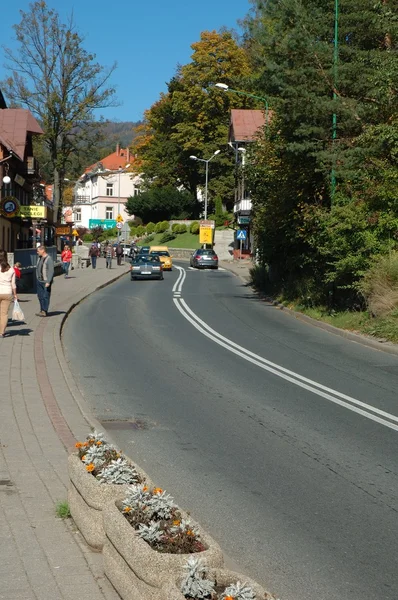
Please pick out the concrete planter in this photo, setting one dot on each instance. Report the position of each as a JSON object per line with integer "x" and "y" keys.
{"x": 222, "y": 577}
{"x": 87, "y": 498}
{"x": 136, "y": 571}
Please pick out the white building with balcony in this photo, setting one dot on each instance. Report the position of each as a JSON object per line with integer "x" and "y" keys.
{"x": 245, "y": 127}
{"x": 102, "y": 191}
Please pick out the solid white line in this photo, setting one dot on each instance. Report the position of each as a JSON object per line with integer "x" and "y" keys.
{"x": 284, "y": 373}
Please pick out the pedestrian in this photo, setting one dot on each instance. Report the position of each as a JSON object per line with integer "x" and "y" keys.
{"x": 93, "y": 254}
{"x": 66, "y": 257}
{"x": 109, "y": 253}
{"x": 8, "y": 290}
{"x": 17, "y": 269}
{"x": 44, "y": 279}
{"x": 119, "y": 253}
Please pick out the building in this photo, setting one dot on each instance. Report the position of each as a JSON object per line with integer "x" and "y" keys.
{"x": 22, "y": 207}
{"x": 245, "y": 127}
{"x": 101, "y": 192}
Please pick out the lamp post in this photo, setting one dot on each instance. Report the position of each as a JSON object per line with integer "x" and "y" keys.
{"x": 207, "y": 173}
{"x": 122, "y": 170}
{"x": 226, "y": 88}
{"x": 335, "y": 77}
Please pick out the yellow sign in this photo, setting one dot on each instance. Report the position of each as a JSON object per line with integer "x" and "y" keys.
{"x": 205, "y": 235}
{"x": 119, "y": 219}
{"x": 62, "y": 230}
{"x": 74, "y": 232}
{"x": 35, "y": 212}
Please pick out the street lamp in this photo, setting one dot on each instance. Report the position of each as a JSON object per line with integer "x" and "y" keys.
{"x": 118, "y": 199}
{"x": 335, "y": 78}
{"x": 226, "y": 88}
{"x": 207, "y": 173}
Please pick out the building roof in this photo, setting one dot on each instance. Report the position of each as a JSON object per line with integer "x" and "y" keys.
{"x": 15, "y": 124}
{"x": 245, "y": 124}
{"x": 113, "y": 162}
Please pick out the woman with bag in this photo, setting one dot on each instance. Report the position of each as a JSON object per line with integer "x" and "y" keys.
{"x": 8, "y": 291}
{"x": 66, "y": 257}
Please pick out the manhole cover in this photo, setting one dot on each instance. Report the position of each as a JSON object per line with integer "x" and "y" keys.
{"x": 124, "y": 425}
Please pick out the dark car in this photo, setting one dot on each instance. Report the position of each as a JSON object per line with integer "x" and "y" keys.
{"x": 143, "y": 249}
{"x": 146, "y": 267}
{"x": 204, "y": 258}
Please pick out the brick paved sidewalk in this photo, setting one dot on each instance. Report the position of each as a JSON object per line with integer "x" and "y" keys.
{"x": 241, "y": 268}
{"x": 41, "y": 556}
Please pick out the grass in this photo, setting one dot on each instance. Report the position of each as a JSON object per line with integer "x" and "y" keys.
{"x": 62, "y": 510}
{"x": 385, "y": 328}
{"x": 182, "y": 240}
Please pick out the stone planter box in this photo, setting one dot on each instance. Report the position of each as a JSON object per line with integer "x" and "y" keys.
{"x": 136, "y": 571}
{"x": 87, "y": 498}
{"x": 222, "y": 577}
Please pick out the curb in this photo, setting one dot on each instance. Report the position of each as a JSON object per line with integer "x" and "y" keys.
{"x": 388, "y": 347}
{"x": 68, "y": 376}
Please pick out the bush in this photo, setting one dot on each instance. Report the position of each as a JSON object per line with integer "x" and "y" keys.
{"x": 194, "y": 228}
{"x": 174, "y": 227}
{"x": 148, "y": 239}
{"x": 158, "y": 227}
{"x": 167, "y": 237}
{"x": 182, "y": 228}
{"x": 165, "y": 226}
{"x": 135, "y": 222}
{"x": 259, "y": 278}
{"x": 88, "y": 237}
{"x": 380, "y": 285}
{"x": 140, "y": 230}
{"x": 133, "y": 231}
{"x": 150, "y": 228}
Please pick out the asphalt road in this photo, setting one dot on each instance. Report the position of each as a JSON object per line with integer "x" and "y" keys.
{"x": 279, "y": 438}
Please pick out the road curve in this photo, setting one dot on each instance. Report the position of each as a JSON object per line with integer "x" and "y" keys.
{"x": 279, "y": 437}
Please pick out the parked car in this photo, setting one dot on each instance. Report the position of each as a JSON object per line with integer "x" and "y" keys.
{"x": 163, "y": 253}
{"x": 204, "y": 258}
{"x": 146, "y": 267}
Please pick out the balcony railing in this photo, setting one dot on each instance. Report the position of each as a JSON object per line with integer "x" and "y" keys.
{"x": 245, "y": 205}
{"x": 81, "y": 199}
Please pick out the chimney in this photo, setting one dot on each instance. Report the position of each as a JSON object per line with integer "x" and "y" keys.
{"x": 128, "y": 155}
{"x": 118, "y": 148}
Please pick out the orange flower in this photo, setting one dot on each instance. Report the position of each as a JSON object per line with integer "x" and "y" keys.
{"x": 145, "y": 489}
{"x": 229, "y": 598}
{"x": 127, "y": 509}
{"x": 157, "y": 491}
{"x": 99, "y": 443}
{"x": 191, "y": 533}
{"x": 176, "y": 522}
{"x": 78, "y": 445}
{"x": 83, "y": 458}
{"x": 85, "y": 444}
{"x": 90, "y": 467}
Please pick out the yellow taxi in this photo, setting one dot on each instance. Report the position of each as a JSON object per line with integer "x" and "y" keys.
{"x": 164, "y": 256}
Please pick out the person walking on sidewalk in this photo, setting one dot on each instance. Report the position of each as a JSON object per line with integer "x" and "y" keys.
{"x": 93, "y": 254}
{"x": 8, "y": 290}
{"x": 109, "y": 254}
{"x": 66, "y": 257}
{"x": 44, "y": 279}
{"x": 119, "y": 253}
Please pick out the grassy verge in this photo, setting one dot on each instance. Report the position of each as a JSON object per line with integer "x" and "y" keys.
{"x": 182, "y": 240}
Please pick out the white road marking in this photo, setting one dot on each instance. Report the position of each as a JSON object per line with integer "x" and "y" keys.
{"x": 334, "y": 396}
{"x": 197, "y": 270}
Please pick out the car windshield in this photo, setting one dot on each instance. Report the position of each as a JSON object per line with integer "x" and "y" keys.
{"x": 146, "y": 259}
{"x": 144, "y": 250}
{"x": 160, "y": 253}
{"x": 205, "y": 252}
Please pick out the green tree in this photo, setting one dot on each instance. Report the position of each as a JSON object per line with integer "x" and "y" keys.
{"x": 53, "y": 76}
{"x": 161, "y": 203}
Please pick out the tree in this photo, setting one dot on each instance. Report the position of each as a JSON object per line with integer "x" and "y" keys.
{"x": 192, "y": 118}
{"x": 97, "y": 232}
{"x": 158, "y": 204}
{"x": 58, "y": 81}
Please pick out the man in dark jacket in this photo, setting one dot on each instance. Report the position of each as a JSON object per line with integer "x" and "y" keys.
{"x": 44, "y": 279}
{"x": 93, "y": 254}
{"x": 119, "y": 253}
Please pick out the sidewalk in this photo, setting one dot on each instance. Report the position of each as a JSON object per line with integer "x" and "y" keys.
{"x": 41, "y": 416}
{"x": 242, "y": 268}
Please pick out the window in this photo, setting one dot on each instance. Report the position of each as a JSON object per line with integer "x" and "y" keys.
{"x": 109, "y": 189}
{"x": 109, "y": 212}
{"x": 136, "y": 191}
{"x": 78, "y": 215}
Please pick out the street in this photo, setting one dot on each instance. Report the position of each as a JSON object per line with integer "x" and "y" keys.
{"x": 278, "y": 437}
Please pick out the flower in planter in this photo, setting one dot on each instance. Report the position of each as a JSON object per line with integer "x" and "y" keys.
{"x": 119, "y": 472}
{"x": 156, "y": 518}
{"x": 195, "y": 583}
{"x": 238, "y": 591}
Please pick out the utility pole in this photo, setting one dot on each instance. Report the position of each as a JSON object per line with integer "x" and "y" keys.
{"x": 335, "y": 80}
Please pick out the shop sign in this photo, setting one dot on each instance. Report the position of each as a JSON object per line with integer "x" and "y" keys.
{"x": 62, "y": 230}
{"x": 9, "y": 206}
{"x": 34, "y": 212}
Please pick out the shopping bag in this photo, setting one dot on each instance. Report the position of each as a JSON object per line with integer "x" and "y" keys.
{"x": 17, "y": 313}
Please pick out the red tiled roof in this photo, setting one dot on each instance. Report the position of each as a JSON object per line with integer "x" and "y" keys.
{"x": 114, "y": 161}
{"x": 15, "y": 124}
{"x": 245, "y": 124}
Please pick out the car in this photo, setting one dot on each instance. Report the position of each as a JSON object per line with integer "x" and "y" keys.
{"x": 163, "y": 253}
{"x": 204, "y": 258}
{"x": 143, "y": 249}
{"x": 146, "y": 267}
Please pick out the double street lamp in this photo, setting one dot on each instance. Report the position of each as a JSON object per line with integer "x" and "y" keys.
{"x": 207, "y": 174}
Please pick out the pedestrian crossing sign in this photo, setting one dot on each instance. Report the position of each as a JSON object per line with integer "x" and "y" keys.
{"x": 241, "y": 234}
{"x": 119, "y": 219}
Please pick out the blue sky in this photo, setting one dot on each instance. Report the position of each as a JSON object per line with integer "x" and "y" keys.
{"x": 146, "y": 38}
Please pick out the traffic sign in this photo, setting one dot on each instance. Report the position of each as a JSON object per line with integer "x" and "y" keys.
{"x": 119, "y": 225}
{"x": 241, "y": 234}
{"x": 74, "y": 232}
{"x": 119, "y": 219}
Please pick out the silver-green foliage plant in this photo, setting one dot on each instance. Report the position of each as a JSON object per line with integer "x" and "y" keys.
{"x": 161, "y": 505}
{"x": 239, "y": 591}
{"x": 151, "y": 533}
{"x": 195, "y": 583}
{"x": 119, "y": 472}
{"x": 96, "y": 455}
